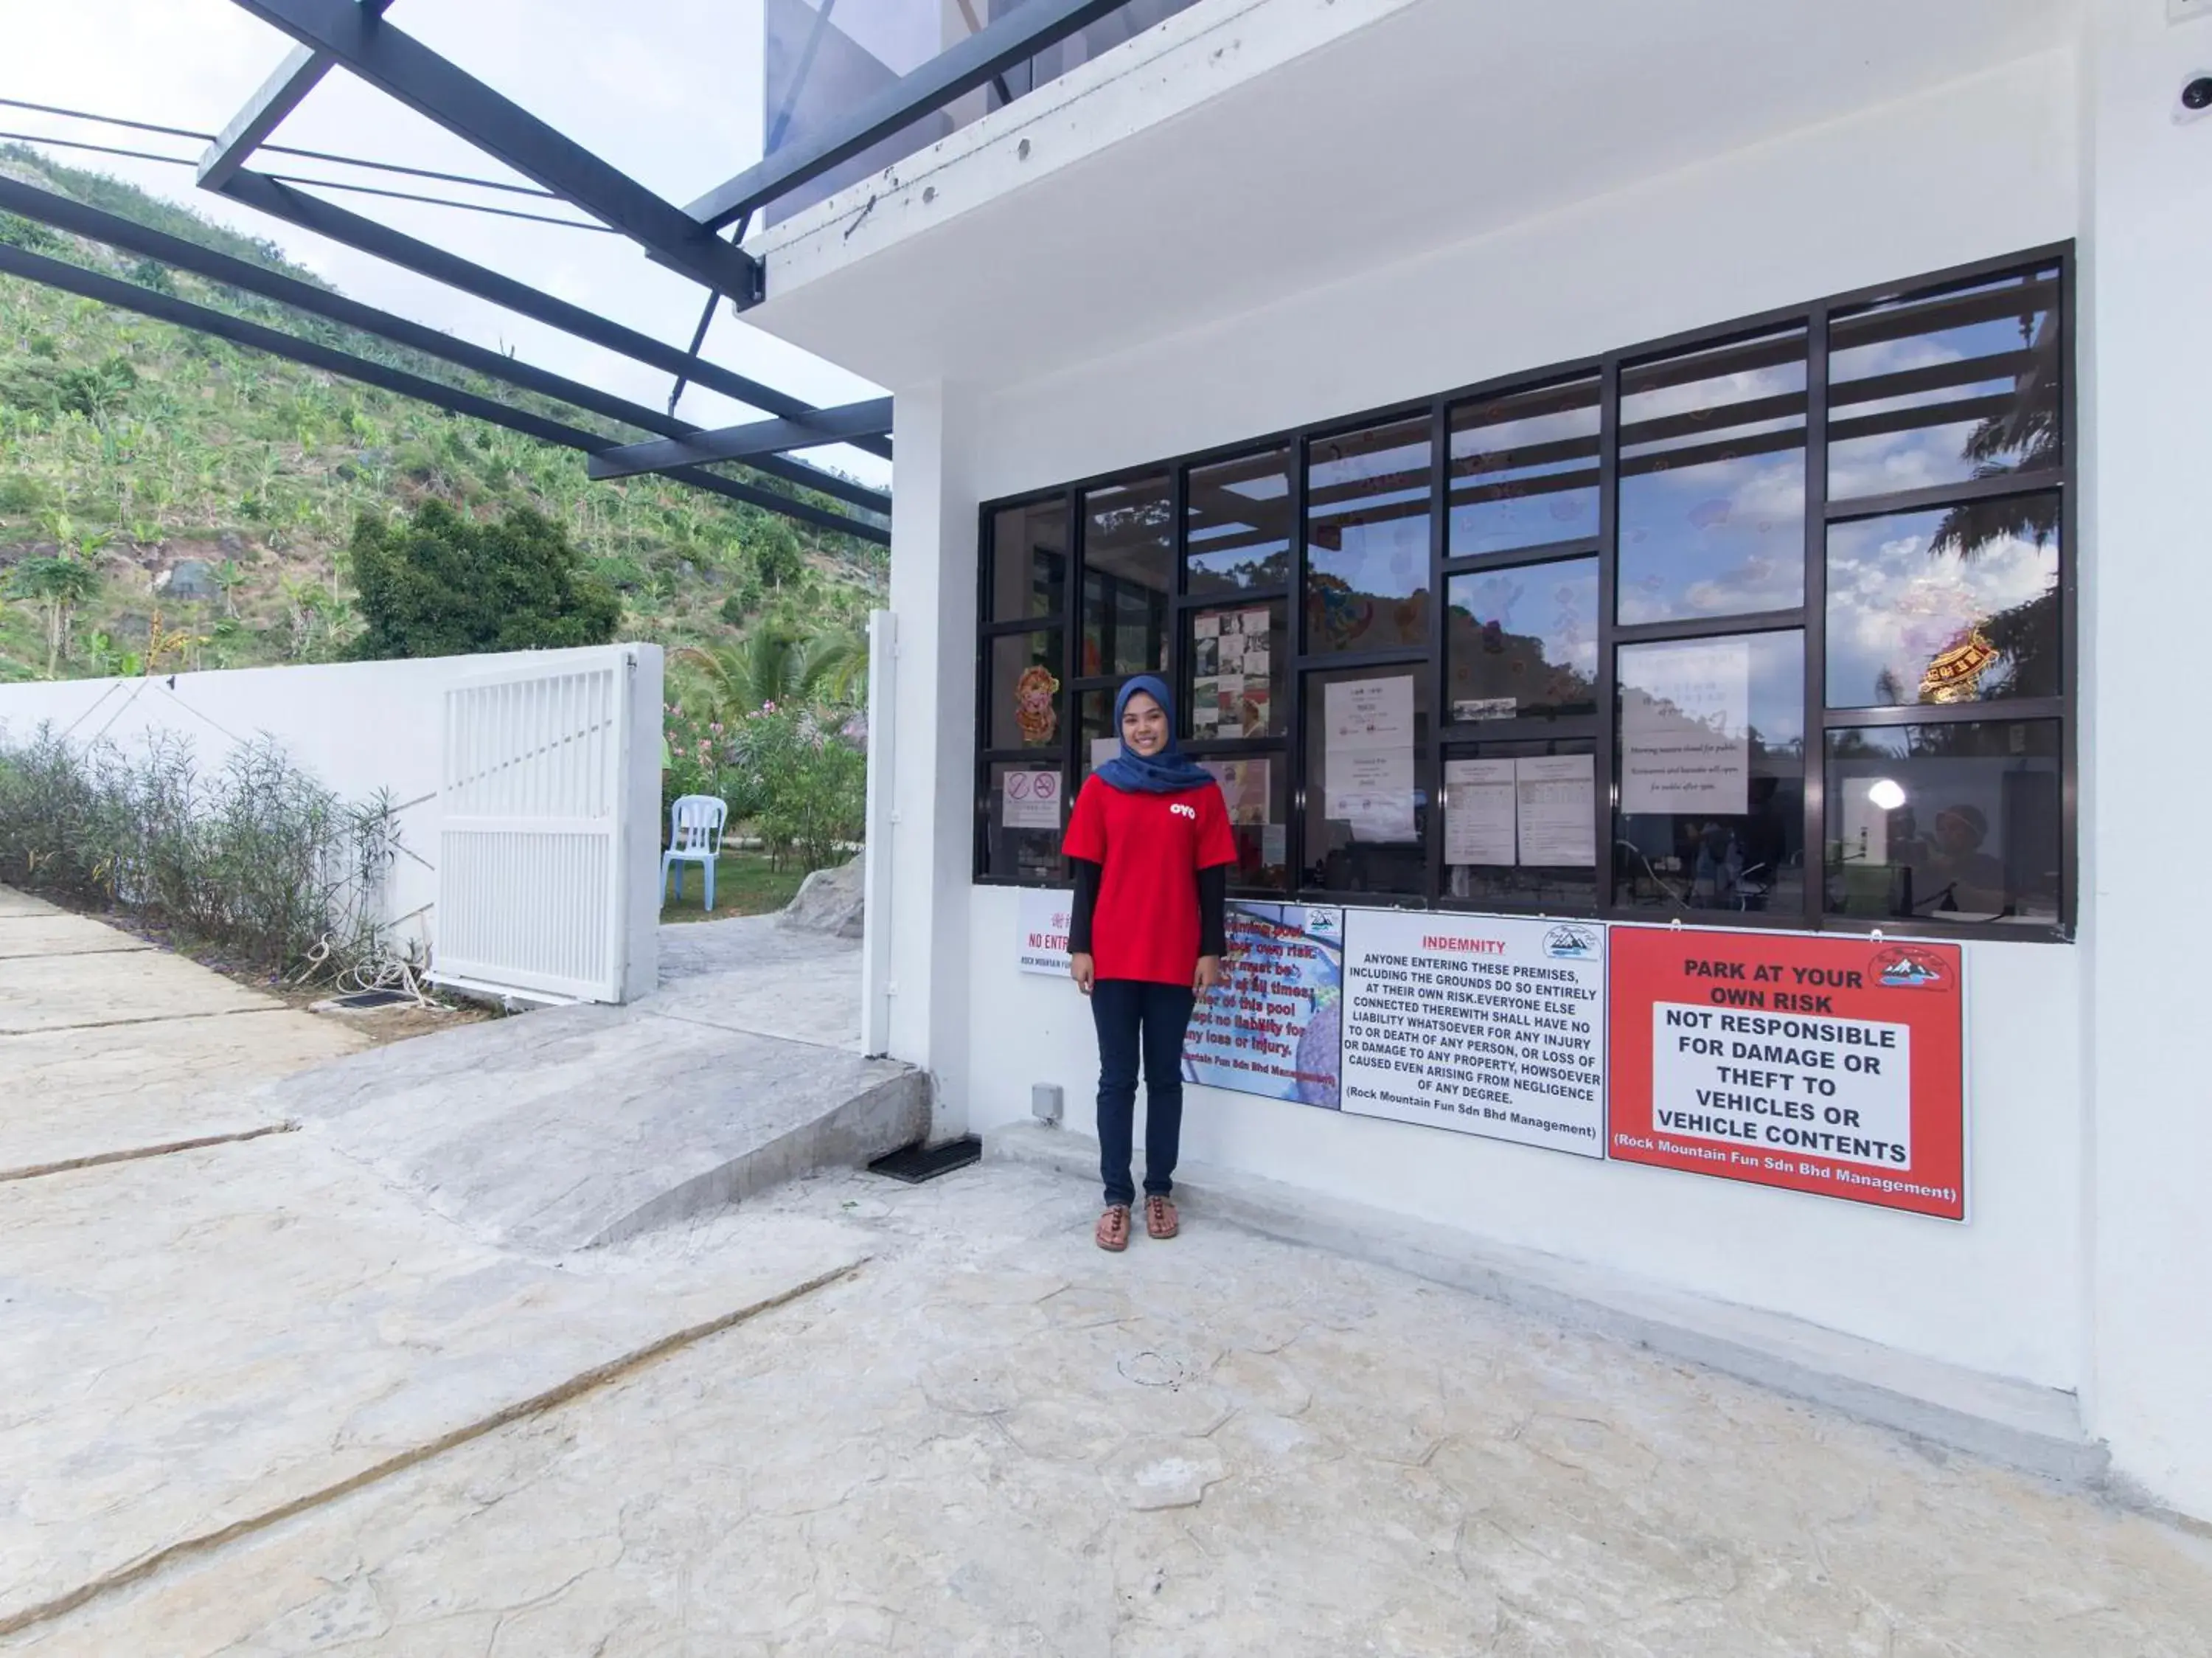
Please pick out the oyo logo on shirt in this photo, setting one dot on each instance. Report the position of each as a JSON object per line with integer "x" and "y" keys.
{"x": 1184, "y": 811}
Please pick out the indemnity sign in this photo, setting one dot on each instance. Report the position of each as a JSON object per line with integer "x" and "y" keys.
{"x": 1480, "y": 1025}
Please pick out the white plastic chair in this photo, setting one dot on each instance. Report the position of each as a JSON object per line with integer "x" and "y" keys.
{"x": 694, "y": 835}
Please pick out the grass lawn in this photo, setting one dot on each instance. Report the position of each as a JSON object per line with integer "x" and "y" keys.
{"x": 745, "y": 885}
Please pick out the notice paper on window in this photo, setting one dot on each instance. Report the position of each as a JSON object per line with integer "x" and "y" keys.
{"x": 1556, "y": 808}
{"x": 1031, "y": 800}
{"x": 1372, "y": 791}
{"x": 1368, "y": 766}
{"x": 1684, "y": 728}
{"x": 1370, "y": 714}
{"x": 1479, "y": 811}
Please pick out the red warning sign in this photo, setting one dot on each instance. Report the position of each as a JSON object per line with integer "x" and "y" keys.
{"x": 1828, "y": 1065}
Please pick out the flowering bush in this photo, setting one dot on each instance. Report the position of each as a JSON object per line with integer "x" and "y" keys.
{"x": 796, "y": 777}
{"x": 698, "y": 757}
{"x": 800, "y": 783}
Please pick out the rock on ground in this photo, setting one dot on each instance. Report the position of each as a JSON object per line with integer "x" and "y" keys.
{"x": 829, "y": 901}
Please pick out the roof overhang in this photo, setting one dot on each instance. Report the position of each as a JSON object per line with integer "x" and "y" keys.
{"x": 1247, "y": 149}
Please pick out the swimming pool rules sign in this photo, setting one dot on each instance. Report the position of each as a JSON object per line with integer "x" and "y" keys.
{"x": 1827, "y": 1065}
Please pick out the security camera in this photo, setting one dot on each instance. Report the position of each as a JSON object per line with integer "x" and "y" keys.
{"x": 2196, "y": 98}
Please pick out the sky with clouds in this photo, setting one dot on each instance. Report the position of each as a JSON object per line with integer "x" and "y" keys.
{"x": 668, "y": 91}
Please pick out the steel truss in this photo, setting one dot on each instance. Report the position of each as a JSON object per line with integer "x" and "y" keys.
{"x": 109, "y": 290}
{"x": 354, "y": 35}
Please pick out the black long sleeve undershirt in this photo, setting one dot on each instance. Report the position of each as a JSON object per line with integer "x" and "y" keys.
{"x": 1213, "y": 907}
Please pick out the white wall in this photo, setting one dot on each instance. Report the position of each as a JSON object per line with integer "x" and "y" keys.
{"x": 1975, "y": 169}
{"x": 2147, "y": 579}
{"x": 933, "y": 716}
{"x": 359, "y": 727}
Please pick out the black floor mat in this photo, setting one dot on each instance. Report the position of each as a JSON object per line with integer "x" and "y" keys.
{"x": 923, "y": 1161}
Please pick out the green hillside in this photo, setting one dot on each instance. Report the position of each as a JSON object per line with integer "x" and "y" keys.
{"x": 214, "y": 489}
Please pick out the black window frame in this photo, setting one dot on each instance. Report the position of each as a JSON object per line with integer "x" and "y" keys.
{"x": 1446, "y": 740}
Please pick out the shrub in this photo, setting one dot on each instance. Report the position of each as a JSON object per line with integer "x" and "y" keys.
{"x": 803, "y": 787}
{"x": 257, "y": 859}
{"x": 439, "y": 585}
{"x": 29, "y": 233}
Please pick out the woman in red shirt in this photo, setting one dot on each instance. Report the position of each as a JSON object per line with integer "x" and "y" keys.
{"x": 1150, "y": 845}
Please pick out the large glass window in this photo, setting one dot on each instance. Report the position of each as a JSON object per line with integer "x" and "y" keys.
{"x": 1712, "y": 481}
{"x": 1522, "y": 640}
{"x": 1695, "y": 656}
{"x": 1524, "y": 469}
{"x": 1520, "y": 824}
{"x": 1944, "y": 389}
{"x": 1367, "y": 803}
{"x": 1239, "y": 661}
{"x": 1955, "y": 605}
{"x": 1953, "y": 822}
{"x": 1367, "y": 539}
{"x": 1028, "y": 570}
{"x": 1710, "y": 743}
{"x": 1257, "y": 789}
{"x": 1237, "y": 525}
{"x": 1128, "y": 569}
{"x": 1024, "y": 705}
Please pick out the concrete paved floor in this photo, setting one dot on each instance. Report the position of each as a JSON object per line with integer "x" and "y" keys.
{"x": 108, "y": 1046}
{"x": 254, "y": 1400}
{"x": 993, "y": 1439}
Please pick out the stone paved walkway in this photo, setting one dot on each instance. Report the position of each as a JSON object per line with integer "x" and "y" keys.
{"x": 108, "y": 1046}
{"x": 254, "y": 1400}
{"x": 993, "y": 1439}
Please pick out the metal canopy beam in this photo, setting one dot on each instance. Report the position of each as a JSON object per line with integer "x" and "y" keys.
{"x": 993, "y": 50}
{"x": 258, "y": 190}
{"x": 279, "y": 96}
{"x": 74, "y": 217}
{"x": 403, "y": 68}
{"x": 756, "y": 437}
{"x": 75, "y": 280}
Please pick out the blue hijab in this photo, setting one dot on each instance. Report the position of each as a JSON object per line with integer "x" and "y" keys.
{"x": 1163, "y": 773}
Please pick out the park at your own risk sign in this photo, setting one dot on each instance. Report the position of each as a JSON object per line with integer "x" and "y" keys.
{"x": 1828, "y": 1065}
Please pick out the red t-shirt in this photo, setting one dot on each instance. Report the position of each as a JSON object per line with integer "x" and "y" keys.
{"x": 1152, "y": 846}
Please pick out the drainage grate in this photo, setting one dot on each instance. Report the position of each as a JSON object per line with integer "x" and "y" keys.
{"x": 923, "y": 1161}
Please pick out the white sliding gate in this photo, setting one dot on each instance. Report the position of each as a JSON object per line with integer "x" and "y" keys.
{"x": 537, "y": 806}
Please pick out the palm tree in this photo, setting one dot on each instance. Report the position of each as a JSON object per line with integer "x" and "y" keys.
{"x": 2023, "y": 437}
{"x": 777, "y": 665}
{"x": 769, "y": 667}
{"x": 837, "y": 665}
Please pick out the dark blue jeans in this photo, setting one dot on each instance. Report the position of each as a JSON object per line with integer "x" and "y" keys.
{"x": 1135, "y": 1019}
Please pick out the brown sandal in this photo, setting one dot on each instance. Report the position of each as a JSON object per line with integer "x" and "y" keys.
{"x": 1113, "y": 1231}
{"x": 1160, "y": 1219}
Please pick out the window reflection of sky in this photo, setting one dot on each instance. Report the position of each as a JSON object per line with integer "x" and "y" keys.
{"x": 1368, "y": 530}
{"x": 1894, "y": 605}
{"x": 1550, "y": 509}
{"x": 1719, "y": 537}
{"x": 1993, "y": 353}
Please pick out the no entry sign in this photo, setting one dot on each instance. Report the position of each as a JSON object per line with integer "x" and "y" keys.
{"x": 1827, "y": 1065}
